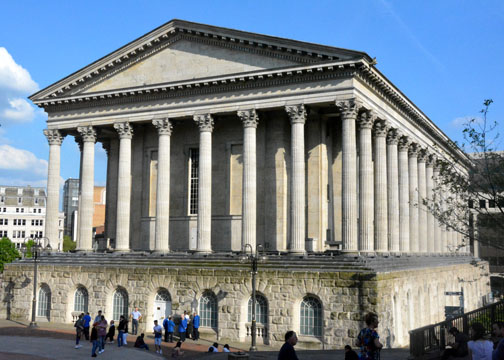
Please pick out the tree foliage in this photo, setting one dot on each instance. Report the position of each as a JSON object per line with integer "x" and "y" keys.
{"x": 68, "y": 244}
{"x": 467, "y": 199}
{"x": 29, "y": 244}
{"x": 8, "y": 252}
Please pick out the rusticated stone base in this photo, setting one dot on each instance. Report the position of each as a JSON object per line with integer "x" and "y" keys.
{"x": 406, "y": 292}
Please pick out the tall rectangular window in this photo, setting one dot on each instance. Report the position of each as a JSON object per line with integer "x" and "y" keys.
{"x": 193, "y": 180}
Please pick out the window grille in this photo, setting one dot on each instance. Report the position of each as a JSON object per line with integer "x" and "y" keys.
{"x": 163, "y": 295}
{"x": 208, "y": 310}
{"x": 81, "y": 300}
{"x": 311, "y": 317}
{"x": 193, "y": 181}
{"x": 44, "y": 302}
{"x": 120, "y": 304}
{"x": 261, "y": 310}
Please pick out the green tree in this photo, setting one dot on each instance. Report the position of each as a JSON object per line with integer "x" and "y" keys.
{"x": 68, "y": 244}
{"x": 466, "y": 200}
{"x": 8, "y": 252}
{"x": 29, "y": 244}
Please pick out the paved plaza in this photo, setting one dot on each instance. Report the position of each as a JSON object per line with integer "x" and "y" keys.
{"x": 56, "y": 341}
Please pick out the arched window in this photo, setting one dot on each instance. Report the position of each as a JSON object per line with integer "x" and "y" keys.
{"x": 311, "y": 317}
{"x": 81, "y": 300}
{"x": 44, "y": 302}
{"x": 162, "y": 304}
{"x": 208, "y": 310}
{"x": 120, "y": 304}
{"x": 261, "y": 310}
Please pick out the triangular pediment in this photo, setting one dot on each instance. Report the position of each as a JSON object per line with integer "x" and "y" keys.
{"x": 186, "y": 60}
{"x": 181, "y": 50}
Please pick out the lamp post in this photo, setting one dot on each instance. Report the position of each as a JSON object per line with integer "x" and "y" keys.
{"x": 254, "y": 258}
{"x": 36, "y": 249}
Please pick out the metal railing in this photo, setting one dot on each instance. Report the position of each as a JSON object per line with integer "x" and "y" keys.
{"x": 434, "y": 337}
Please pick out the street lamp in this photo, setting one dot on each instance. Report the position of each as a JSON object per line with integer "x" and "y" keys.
{"x": 254, "y": 259}
{"x": 36, "y": 249}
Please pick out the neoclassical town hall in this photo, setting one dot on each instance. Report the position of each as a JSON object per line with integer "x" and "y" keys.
{"x": 218, "y": 138}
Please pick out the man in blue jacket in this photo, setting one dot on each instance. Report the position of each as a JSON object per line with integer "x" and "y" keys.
{"x": 182, "y": 328}
{"x": 169, "y": 327}
{"x": 196, "y": 324}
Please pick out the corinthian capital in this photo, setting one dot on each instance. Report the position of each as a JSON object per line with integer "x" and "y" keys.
{"x": 87, "y": 133}
{"x": 297, "y": 113}
{"x": 163, "y": 126}
{"x": 204, "y": 121}
{"x": 348, "y": 108}
{"x": 422, "y": 155}
{"x": 249, "y": 118}
{"x": 413, "y": 150}
{"x": 366, "y": 120}
{"x": 54, "y": 137}
{"x": 124, "y": 129}
{"x": 392, "y": 136}
{"x": 403, "y": 143}
{"x": 431, "y": 160}
{"x": 380, "y": 128}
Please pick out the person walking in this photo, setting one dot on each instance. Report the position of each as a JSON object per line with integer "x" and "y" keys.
{"x": 169, "y": 327}
{"x": 94, "y": 339}
{"x": 177, "y": 350}
{"x": 196, "y": 325}
{"x": 87, "y": 324}
{"x": 111, "y": 332}
{"x": 158, "y": 334}
{"x": 102, "y": 332}
{"x": 135, "y": 317}
{"x": 140, "y": 342}
{"x": 287, "y": 351}
{"x": 79, "y": 328}
{"x": 479, "y": 347}
{"x": 123, "y": 324}
{"x": 182, "y": 328}
{"x": 368, "y": 339}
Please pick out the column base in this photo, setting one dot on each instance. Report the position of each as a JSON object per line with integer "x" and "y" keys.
{"x": 122, "y": 250}
{"x": 201, "y": 252}
{"x": 297, "y": 252}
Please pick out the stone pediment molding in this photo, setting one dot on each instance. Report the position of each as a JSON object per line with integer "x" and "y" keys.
{"x": 175, "y": 30}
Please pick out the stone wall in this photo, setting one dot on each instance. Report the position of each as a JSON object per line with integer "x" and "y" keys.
{"x": 404, "y": 299}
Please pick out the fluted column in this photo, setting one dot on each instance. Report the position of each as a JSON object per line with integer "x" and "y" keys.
{"x": 55, "y": 138}
{"x": 112, "y": 149}
{"x": 85, "y": 240}
{"x": 438, "y": 247}
{"x": 204, "y": 241}
{"x": 366, "y": 234}
{"x": 431, "y": 233}
{"x": 297, "y": 116}
{"x": 162, "y": 236}
{"x": 422, "y": 193}
{"x": 348, "y": 110}
{"x": 404, "y": 213}
{"x": 393, "y": 191}
{"x": 380, "y": 186}
{"x": 413, "y": 196}
{"x": 250, "y": 120}
{"x": 125, "y": 132}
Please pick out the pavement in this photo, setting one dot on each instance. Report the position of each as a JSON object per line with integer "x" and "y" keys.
{"x": 57, "y": 341}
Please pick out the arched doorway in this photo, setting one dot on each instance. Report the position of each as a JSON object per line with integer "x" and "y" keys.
{"x": 162, "y": 305}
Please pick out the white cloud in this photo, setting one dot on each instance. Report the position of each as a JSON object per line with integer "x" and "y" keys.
{"x": 13, "y": 76}
{"x": 15, "y": 84}
{"x": 460, "y": 122}
{"x": 22, "y": 161}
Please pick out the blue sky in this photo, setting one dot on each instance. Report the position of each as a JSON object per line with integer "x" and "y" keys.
{"x": 446, "y": 56}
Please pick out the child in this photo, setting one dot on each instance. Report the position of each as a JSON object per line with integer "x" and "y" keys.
{"x": 94, "y": 339}
{"x": 111, "y": 332}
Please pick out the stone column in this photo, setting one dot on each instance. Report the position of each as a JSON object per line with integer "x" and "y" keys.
{"x": 366, "y": 206}
{"x": 297, "y": 116}
{"x": 162, "y": 236}
{"x": 437, "y": 225}
{"x": 380, "y": 186}
{"x": 348, "y": 110}
{"x": 76, "y": 234}
{"x": 422, "y": 193}
{"x": 393, "y": 191}
{"x": 55, "y": 138}
{"x": 404, "y": 213}
{"x": 204, "y": 241}
{"x": 249, "y": 189}
{"x": 88, "y": 135}
{"x": 413, "y": 196}
{"x": 431, "y": 232}
{"x": 112, "y": 149}
{"x": 125, "y": 132}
